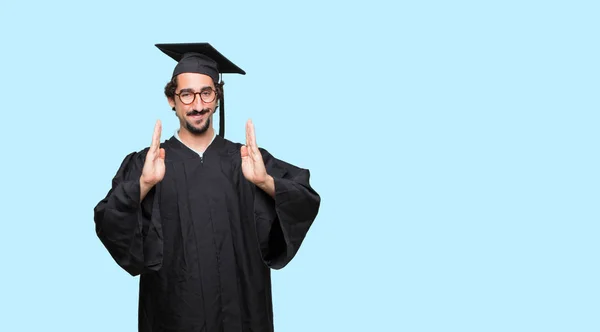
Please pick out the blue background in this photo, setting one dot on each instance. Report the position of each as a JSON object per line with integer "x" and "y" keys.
{"x": 454, "y": 145}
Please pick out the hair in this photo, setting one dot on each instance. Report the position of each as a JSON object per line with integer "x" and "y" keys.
{"x": 171, "y": 87}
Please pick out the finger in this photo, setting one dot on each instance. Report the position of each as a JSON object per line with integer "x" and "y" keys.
{"x": 253, "y": 138}
{"x": 248, "y": 140}
{"x": 156, "y": 136}
{"x": 161, "y": 153}
{"x": 159, "y": 125}
{"x": 249, "y": 133}
{"x": 244, "y": 151}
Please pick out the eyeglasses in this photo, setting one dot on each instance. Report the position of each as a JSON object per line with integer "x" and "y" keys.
{"x": 207, "y": 95}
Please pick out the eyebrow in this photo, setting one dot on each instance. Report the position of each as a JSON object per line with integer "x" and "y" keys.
{"x": 192, "y": 90}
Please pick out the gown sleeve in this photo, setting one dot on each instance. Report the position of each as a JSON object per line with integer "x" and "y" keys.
{"x": 283, "y": 223}
{"x": 129, "y": 229}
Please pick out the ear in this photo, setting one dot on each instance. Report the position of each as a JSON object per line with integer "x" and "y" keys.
{"x": 171, "y": 102}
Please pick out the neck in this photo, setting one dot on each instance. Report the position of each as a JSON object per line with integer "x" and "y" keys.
{"x": 194, "y": 141}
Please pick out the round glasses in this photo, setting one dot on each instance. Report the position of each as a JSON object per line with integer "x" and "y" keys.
{"x": 187, "y": 97}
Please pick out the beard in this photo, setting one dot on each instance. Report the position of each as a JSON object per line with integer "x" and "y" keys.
{"x": 198, "y": 130}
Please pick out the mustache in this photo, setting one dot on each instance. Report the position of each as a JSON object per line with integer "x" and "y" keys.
{"x": 196, "y": 112}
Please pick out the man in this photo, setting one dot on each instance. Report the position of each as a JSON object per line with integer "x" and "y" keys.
{"x": 201, "y": 219}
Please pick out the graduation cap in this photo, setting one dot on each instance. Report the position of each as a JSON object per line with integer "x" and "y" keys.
{"x": 202, "y": 58}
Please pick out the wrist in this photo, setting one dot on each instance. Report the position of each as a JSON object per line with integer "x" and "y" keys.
{"x": 144, "y": 183}
{"x": 264, "y": 182}
{"x": 144, "y": 187}
{"x": 268, "y": 185}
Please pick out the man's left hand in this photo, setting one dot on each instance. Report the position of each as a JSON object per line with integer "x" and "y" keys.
{"x": 253, "y": 166}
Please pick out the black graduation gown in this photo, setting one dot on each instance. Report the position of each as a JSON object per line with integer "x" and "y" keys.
{"x": 204, "y": 239}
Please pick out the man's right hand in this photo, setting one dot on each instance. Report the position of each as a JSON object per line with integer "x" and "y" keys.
{"x": 154, "y": 166}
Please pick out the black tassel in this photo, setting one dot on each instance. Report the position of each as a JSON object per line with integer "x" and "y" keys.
{"x": 222, "y": 112}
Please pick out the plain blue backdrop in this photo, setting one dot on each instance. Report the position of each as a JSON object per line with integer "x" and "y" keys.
{"x": 454, "y": 145}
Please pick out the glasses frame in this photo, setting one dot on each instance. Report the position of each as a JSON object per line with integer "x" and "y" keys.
{"x": 198, "y": 93}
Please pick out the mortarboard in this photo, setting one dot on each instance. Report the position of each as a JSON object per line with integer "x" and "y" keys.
{"x": 204, "y": 59}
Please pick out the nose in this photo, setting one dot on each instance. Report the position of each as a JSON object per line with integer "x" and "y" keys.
{"x": 198, "y": 102}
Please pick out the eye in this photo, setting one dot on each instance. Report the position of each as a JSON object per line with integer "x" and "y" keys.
{"x": 185, "y": 94}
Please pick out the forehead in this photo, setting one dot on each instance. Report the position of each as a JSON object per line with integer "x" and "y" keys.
{"x": 194, "y": 81}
